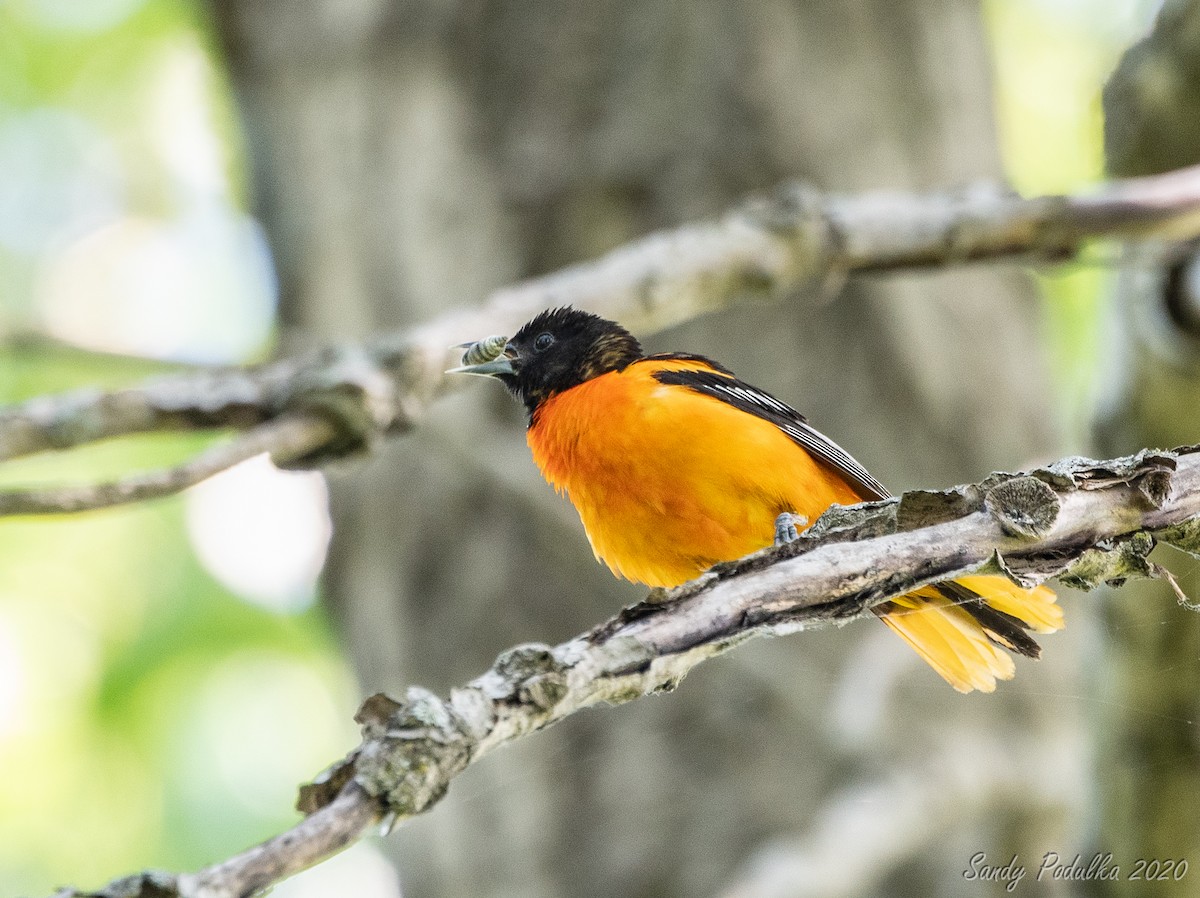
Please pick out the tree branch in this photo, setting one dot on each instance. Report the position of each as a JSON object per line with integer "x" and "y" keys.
{"x": 767, "y": 246}
{"x": 1086, "y": 522}
{"x": 287, "y": 438}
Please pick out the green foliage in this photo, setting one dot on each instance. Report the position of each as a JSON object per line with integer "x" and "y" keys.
{"x": 159, "y": 720}
{"x": 149, "y": 716}
{"x": 1051, "y": 59}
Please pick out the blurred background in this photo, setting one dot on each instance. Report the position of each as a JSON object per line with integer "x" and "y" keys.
{"x": 190, "y": 184}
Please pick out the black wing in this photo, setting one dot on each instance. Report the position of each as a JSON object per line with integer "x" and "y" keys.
{"x": 721, "y": 384}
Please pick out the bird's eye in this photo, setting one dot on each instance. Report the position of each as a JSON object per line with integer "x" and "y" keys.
{"x": 543, "y": 342}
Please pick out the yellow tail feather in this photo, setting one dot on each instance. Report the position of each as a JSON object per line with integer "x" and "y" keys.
{"x": 951, "y": 641}
{"x": 1036, "y": 607}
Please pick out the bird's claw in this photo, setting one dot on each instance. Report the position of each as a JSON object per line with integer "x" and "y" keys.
{"x": 786, "y": 530}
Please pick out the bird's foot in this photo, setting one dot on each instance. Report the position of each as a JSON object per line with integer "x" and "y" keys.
{"x": 787, "y": 527}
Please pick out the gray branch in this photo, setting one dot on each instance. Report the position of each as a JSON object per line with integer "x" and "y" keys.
{"x": 768, "y": 246}
{"x": 285, "y": 438}
{"x": 1085, "y": 522}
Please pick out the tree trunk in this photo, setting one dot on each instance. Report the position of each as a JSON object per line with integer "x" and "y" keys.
{"x": 1147, "y": 745}
{"x": 410, "y": 157}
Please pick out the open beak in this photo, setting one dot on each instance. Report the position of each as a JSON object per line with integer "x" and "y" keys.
{"x": 487, "y": 358}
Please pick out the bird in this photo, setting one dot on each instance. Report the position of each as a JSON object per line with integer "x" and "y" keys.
{"x": 674, "y": 465}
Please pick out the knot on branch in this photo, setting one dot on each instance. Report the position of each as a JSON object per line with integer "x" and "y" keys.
{"x": 1024, "y": 506}
{"x": 348, "y": 388}
{"x": 530, "y": 674}
{"x": 411, "y": 750}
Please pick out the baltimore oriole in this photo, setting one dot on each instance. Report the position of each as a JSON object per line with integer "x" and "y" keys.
{"x": 674, "y": 465}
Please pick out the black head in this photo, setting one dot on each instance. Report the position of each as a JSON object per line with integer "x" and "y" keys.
{"x": 560, "y": 349}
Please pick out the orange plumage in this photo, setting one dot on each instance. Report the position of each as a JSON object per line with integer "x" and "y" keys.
{"x": 668, "y": 481}
{"x": 674, "y": 465}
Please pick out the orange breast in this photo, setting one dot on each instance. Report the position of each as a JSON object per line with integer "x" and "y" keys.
{"x": 668, "y": 481}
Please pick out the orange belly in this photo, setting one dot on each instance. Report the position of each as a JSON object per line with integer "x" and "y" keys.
{"x": 669, "y": 482}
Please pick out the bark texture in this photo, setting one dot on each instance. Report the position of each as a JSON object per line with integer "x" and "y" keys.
{"x": 413, "y": 156}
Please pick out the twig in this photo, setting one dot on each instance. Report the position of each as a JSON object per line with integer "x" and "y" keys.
{"x": 321, "y": 834}
{"x": 1087, "y": 522}
{"x": 318, "y": 836}
{"x": 1181, "y": 597}
{"x": 286, "y": 438}
{"x": 768, "y": 246}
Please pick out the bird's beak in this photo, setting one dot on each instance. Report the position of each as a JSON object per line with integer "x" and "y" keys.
{"x": 505, "y": 362}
